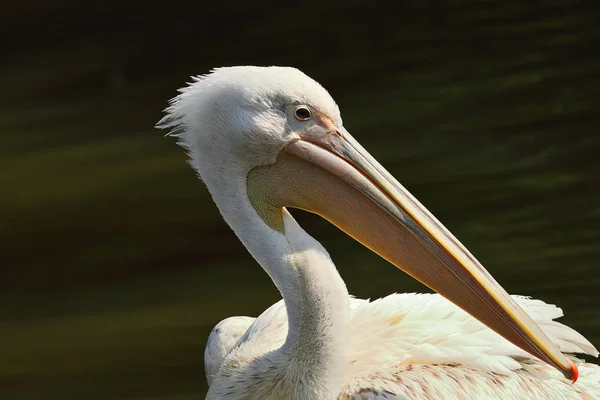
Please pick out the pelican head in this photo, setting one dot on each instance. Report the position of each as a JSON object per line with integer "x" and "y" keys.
{"x": 272, "y": 138}
{"x": 238, "y": 118}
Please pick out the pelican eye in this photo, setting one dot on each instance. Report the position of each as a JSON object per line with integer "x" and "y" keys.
{"x": 302, "y": 113}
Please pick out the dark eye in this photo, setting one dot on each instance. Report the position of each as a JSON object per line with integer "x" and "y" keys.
{"x": 302, "y": 113}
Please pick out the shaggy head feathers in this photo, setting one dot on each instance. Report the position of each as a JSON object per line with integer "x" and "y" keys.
{"x": 236, "y": 115}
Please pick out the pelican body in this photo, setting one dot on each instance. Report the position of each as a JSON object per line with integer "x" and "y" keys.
{"x": 268, "y": 139}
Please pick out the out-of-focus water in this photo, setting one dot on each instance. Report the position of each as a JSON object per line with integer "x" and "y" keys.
{"x": 115, "y": 263}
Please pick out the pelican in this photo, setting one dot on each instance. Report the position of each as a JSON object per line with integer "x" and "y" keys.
{"x": 267, "y": 139}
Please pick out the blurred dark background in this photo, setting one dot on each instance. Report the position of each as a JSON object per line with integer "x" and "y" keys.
{"x": 114, "y": 262}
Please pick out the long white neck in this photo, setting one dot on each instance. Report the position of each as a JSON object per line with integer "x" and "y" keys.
{"x": 312, "y": 362}
{"x": 317, "y": 306}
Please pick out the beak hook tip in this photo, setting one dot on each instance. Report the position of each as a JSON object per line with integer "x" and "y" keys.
{"x": 574, "y": 371}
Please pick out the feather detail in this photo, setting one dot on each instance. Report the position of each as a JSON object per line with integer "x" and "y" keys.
{"x": 414, "y": 346}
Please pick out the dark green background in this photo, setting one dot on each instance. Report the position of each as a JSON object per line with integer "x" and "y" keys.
{"x": 114, "y": 262}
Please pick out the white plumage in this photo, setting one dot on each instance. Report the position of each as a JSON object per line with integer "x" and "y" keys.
{"x": 223, "y": 337}
{"x": 265, "y": 139}
{"x": 421, "y": 346}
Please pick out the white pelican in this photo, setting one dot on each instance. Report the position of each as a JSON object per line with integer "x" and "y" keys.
{"x": 264, "y": 139}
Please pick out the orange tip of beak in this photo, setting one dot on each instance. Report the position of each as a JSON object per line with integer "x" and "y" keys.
{"x": 574, "y": 371}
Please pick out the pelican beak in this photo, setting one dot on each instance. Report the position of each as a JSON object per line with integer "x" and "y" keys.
{"x": 354, "y": 192}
